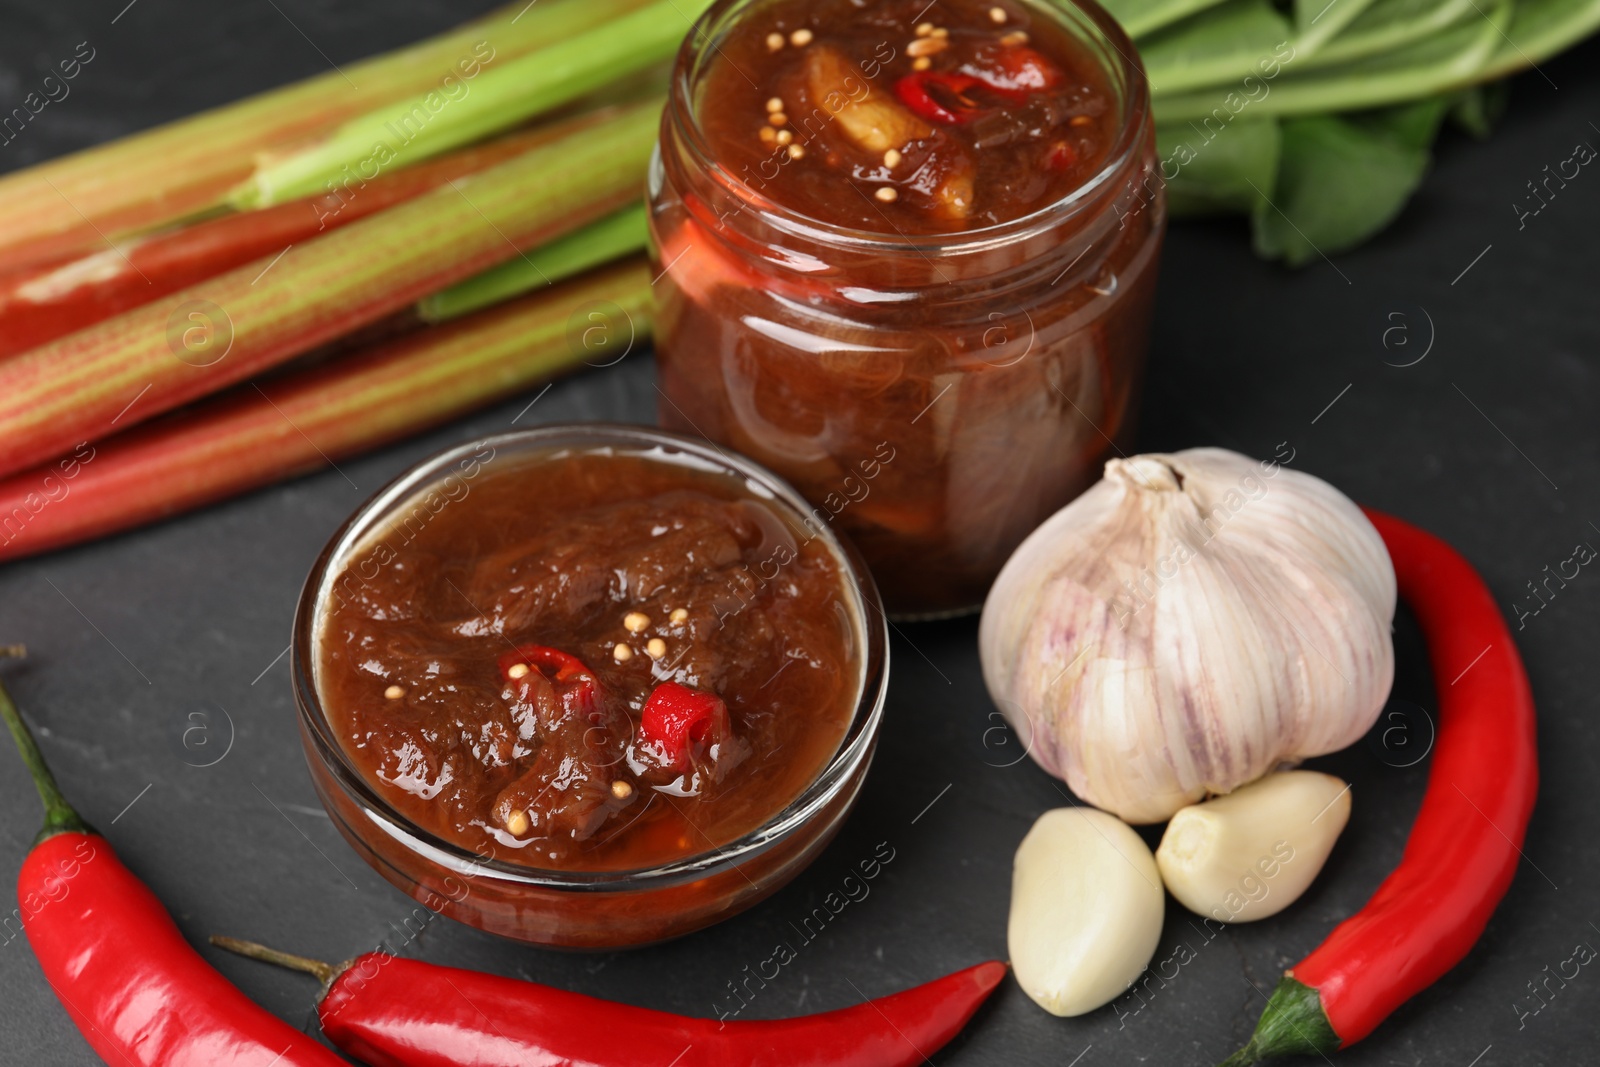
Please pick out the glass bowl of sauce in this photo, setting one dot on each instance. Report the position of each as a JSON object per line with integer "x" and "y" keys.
{"x": 588, "y": 686}
{"x": 908, "y": 259}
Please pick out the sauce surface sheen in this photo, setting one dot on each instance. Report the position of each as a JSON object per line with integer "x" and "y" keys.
{"x": 586, "y": 555}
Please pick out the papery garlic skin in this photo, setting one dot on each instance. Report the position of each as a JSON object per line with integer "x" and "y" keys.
{"x": 1250, "y": 854}
{"x": 1086, "y": 910}
{"x": 1191, "y": 622}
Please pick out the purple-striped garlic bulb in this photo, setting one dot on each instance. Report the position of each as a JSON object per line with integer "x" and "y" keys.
{"x": 1190, "y": 623}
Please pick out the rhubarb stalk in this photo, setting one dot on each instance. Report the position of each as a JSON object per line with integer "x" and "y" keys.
{"x": 232, "y": 327}
{"x": 43, "y": 305}
{"x": 303, "y": 421}
{"x": 615, "y": 235}
{"x": 66, "y": 207}
{"x": 509, "y": 94}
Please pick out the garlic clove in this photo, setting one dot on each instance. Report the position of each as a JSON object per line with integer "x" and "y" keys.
{"x": 1086, "y": 910}
{"x": 1251, "y": 853}
{"x": 872, "y": 121}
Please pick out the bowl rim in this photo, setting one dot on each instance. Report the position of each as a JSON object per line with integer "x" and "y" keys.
{"x": 850, "y": 759}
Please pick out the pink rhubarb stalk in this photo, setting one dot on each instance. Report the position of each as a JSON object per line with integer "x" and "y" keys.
{"x": 302, "y": 421}
{"x": 40, "y": 306}
{"x": 233, "y": 327}
{"x": 68, "y": 207}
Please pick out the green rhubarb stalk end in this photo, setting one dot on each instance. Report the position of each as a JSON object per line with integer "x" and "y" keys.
{"x": 1293, "y": 1023}
{"x": 409, "y": 131}
{"x": 59, "y": 816}
{"x": 609, "y": 238}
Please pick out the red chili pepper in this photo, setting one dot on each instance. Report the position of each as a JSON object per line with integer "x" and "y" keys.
{"x": 914, "y": 91}
{"x": 561, "y": 667}
{"x": 678, "y": 719}
{"x": 388, "y": 1011}
{"x": 1015, "y": 71}
{"x": 1467, "y": 840}
{"x": 135, "y": 989}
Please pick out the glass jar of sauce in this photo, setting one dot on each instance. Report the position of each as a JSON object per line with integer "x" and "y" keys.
{"x": 909, "y": 265}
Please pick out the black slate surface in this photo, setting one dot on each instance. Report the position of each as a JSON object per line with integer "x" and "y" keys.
{"x": 159, "y": 652}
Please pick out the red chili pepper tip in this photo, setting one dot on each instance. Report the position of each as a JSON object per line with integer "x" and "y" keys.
{"x": 677, "y": 719}
{"x": 914, "y": 90}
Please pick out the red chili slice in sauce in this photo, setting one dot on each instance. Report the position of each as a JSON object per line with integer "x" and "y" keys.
{"x": 577, "y": 682}
{"x": 1016, "y": 71}
{"x": 923, "y": 92}
{"x": 679, "y": 722}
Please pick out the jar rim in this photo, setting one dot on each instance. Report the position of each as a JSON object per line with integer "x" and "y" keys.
{"x": 854, "y": 751}
{"x": 1122, "y": 157}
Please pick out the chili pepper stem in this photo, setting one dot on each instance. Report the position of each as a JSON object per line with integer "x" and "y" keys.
{"x": 1292, "y": 1023}
{"x": 323, "y": 972}
{"x": 59, "y": 816}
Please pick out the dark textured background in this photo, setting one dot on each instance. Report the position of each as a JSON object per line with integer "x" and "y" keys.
{"x": 1490, "y": 441}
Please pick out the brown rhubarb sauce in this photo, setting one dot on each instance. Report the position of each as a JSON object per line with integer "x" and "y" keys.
{"x": 920, "y": 231}
{"x": 975, "y": 115}
{"x": 590, "y": 660}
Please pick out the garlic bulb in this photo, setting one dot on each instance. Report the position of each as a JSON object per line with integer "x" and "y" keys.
{"x": 1190, "y": 623}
